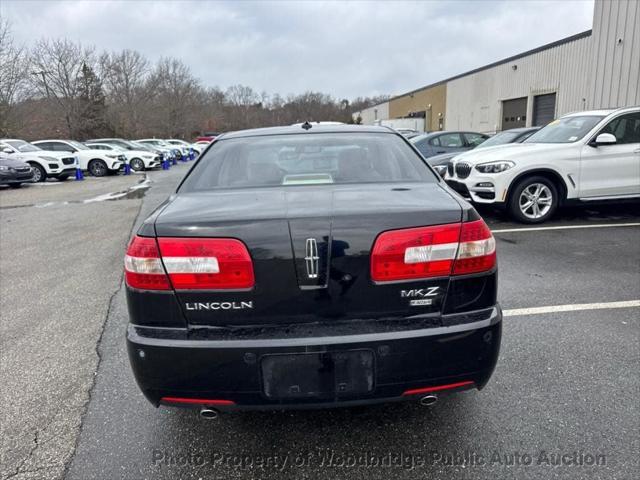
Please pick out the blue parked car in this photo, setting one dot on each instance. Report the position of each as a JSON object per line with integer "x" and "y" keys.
{"x": 515, "y": 135}
{"x": 435, "y": 143}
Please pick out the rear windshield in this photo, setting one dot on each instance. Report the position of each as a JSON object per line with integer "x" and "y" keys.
{"x": 312, "y": 159}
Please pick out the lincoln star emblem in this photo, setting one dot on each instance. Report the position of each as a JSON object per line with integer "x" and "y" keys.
{"x": 311, "y": 257}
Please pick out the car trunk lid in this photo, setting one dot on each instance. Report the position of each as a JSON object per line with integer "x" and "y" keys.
{"x": 310, "y": 248}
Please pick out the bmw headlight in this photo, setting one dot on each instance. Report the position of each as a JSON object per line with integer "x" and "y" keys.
{"x": 494, "y": 167}
{"x": 112, "y": 155}
{"x": 3, "y": 168}
{"x": 148, "y": 157}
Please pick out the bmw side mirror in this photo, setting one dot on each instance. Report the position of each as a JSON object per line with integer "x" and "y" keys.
{"x": 604, "y": 139}
{"x": 7, "y": 150}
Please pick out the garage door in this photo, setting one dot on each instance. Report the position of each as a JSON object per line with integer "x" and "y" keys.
{"x": 544, "y": 109}
{"x": 514, "y": 113}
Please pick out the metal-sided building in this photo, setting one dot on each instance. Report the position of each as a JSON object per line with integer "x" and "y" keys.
{"x": 597, "y": 68}
{"x": 373, "y": 115}
{"x": 427, "y": 102}
{"x": 523, "y": 90}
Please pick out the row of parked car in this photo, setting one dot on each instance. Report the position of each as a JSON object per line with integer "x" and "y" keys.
{"x": 22, "y": 162}
{"x": 582, "y": 157}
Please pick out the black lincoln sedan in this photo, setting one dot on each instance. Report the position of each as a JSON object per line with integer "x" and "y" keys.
{"x": 309, "y": 267}
{"x": 14, "y": 172}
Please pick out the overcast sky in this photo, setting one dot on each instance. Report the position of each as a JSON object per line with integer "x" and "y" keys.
{"x": 345, "y": 49}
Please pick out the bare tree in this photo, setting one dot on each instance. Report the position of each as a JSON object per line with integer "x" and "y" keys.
{"x": 13, "y": 78}
{"x": 178, "y": 94}
{"x": 210, "y": 113}
{"x": 242, "y": 101}
{"x": 125, "y": 76}
{"x": 56, "y": 67}
{"x": 72, "y": 92}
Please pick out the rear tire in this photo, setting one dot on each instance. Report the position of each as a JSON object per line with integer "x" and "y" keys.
{"x": 533, "y": 200}
{"x": 39, "y": 173}
{"x": 98, "y": 168}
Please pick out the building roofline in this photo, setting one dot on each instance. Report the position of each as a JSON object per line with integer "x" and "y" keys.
{"x": 557, "y": 43}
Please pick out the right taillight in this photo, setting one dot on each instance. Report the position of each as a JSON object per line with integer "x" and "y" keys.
{"x": 477, "y": 251}
{"x": 435, "y": 251}
{"x": 188, "y": 264}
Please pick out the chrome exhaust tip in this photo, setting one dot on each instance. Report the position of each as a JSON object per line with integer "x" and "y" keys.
{"x": 209, "y": 413}
{"x": 428, "y": 400}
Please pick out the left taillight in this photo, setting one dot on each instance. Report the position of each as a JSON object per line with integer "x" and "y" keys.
{"x": 143, "y": 267}
{"x": 188, "y": 264}
{"x": 207, "y": 263}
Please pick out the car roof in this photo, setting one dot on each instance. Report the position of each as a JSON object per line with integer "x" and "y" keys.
{"x": 299, "y": 130}
{"x": 603, "y": 112}
{"x": 589, "y": 113}
{"x": 107, "y": 139}
{"x": 440, "y": 132}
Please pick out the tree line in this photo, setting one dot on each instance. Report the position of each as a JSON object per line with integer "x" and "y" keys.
{"x": 59, "y": 88}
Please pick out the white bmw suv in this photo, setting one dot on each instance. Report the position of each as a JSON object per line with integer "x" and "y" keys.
{"x": 580, "y": 157}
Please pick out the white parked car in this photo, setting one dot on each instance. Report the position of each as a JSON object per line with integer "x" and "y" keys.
{"x": 139, "y": 160}
{"x": 45, "y": 164}
{"x": 161, "y": 145}
{"x": 97, "y": 162}
{"x": 199, "y": 146}
{"x": 180, "y": 144}
{"x": 581, "y": 157}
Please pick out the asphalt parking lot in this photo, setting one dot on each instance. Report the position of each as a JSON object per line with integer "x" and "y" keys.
{"x": 565, "y": 389}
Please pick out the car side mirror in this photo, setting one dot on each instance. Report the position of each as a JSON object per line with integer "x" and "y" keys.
{"x": 604, "y": 139}
{"x": 7, "y": 150}
{"x": 440, "y": 169}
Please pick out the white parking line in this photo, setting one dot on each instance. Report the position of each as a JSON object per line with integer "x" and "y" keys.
{"x": 576, "y": 307}
{"x": 567, "y": 227}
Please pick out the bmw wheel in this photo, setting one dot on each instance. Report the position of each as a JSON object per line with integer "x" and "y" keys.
{"x": 39, "y": 174}
{"x": 137, "y": 164}
{"x": 98, "y": 168}
{"x": 533, "y": 200}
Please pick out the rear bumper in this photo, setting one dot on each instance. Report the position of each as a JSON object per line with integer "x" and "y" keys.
{"x": 168, "y": 363}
